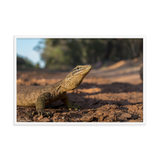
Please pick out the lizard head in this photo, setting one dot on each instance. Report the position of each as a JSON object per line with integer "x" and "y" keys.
{"x": 75, "y": 77}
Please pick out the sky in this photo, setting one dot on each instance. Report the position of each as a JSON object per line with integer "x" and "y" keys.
{"x": 25, "y": 49}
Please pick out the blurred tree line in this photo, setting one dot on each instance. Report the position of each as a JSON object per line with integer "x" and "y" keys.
{"x": 24, "y": 63}
{"x": 67, "y": 53}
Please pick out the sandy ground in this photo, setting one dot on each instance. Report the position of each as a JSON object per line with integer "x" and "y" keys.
{"x": 109, "y": 94}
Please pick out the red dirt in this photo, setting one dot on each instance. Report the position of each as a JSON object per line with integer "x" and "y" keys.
{"x": 109, "y": 94}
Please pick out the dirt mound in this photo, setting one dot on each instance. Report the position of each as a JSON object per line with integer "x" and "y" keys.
{"x": 123, "y": 64}
{"x": 117, "y": 65}
{"x": 141, "y": 72}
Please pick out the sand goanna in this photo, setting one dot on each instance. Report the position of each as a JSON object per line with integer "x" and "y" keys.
{"x": 38, "y": 96}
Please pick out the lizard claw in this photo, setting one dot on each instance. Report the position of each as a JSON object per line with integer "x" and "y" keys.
{"x": 41, "y": 113}
{"x": 33, "y": 113}
{"x": 48, "y": 113}
{"x": 73, "y": 106}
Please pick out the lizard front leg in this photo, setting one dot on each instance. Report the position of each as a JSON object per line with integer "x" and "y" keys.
{"x": 40, "y": 104}
{"x": 69, "y": 105}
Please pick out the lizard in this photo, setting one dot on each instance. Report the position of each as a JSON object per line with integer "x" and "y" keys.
{"x": 39, "y": 96}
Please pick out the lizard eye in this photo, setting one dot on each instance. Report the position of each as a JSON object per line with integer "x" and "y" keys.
{"x": 77, "y": 67}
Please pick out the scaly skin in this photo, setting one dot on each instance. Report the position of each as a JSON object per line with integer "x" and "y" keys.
{"x": 40, "y": 95}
